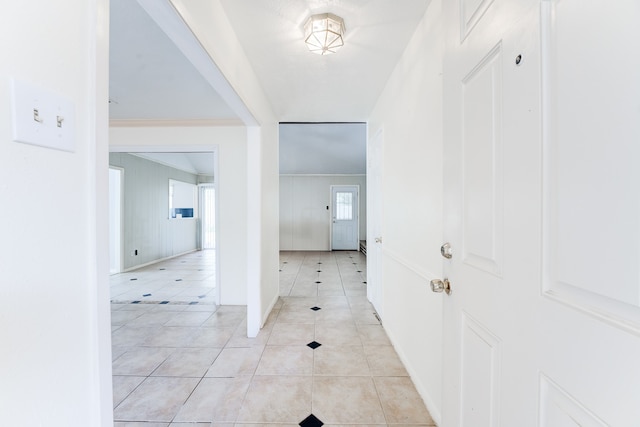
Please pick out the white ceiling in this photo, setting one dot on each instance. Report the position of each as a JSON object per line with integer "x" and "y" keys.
{"x": 305, "y": 87}
{"x": 193, "y": 162}
{"x": 323, "y": 148}
{"x": 151, "y": 79}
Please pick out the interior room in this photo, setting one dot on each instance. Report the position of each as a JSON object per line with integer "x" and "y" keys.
{"x": 497, "y": 204}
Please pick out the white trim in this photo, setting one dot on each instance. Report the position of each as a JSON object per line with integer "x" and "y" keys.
{"x": 155, "y": 261}
{"x": 323, "y": 174}
{"x": 434, "y": 410}
{"x": 267, "y": 312}
{"x": 98, "y": 299}
{"x": 176, "y": 123}
{"x": 177, "y": 148}
{"x": 425, "y": 274}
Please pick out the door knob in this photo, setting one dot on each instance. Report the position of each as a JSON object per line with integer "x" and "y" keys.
{"x": 446, "y": 250}
{"x": 438, "y": 286}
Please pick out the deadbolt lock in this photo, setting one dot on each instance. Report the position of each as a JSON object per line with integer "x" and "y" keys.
{"x": 446, "y": 250}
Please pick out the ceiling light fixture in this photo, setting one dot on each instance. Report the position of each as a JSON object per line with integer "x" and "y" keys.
{"x": 323, "y": 33}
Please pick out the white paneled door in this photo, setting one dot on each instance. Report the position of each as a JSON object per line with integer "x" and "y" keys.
{"x": 542, "y": 213}
{"x": 344, "y": 218}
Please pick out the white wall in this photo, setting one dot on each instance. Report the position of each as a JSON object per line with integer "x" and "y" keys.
{"x": 270, "y": 254}
{"x": 54, "y": 324}
{"x": 410, "y": 112}
{"x": 208, "y": 22}
{"x": 304, "y": 218}
{"x": 231, "y": 182}
{"x": 146, "y": 225}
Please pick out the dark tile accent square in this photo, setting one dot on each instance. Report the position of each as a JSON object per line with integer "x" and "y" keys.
{"x": 359, "y": 271}
{"x": 135, "y": 302}
{"x": 319, "y": 263}
{"x": 318, "y": 271}
{"x": 313, "y": 345}
{"x": 311, "y": 421}
{"x": 162, "y": 269}
{"x": 146, "y": 295}
{"x": 164, "y": 302}
{"x": 193, "y": 303}
{"x": 178, "y": 280}
{"x": 318, "y": 282}
{"x": 133, "y": 279}
{"x": 285, "y": 262}
{"x": 316, "y": 308}
{"x": 364, "y": 283}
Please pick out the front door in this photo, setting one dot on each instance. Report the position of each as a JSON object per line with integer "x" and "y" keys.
{"x": 344, "y": 220}
{"x": 542, "y": 213}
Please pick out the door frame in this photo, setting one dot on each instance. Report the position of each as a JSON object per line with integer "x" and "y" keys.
{"x": 357, "y": 211}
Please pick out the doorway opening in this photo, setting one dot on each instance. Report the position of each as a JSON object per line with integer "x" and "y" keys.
{"x": 153, "y": 229}
{"x": 345, "y": 223}
{"x": 313, "y": 158}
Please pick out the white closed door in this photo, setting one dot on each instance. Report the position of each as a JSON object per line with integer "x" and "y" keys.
{"x": 542, "y": 213}
{"x": 344, "y": 220}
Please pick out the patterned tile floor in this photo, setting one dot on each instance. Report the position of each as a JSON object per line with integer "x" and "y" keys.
{"x": 322, "y": 357}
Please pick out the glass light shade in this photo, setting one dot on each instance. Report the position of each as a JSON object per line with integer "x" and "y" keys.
{"x": 323, "y": 33}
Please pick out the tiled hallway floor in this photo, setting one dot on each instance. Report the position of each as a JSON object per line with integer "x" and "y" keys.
{"x": 322, "y": 351}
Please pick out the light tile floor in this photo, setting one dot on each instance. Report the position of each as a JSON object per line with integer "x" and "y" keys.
{"x": 187, "y": 362}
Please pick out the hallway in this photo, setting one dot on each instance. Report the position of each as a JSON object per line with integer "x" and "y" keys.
{"x": 322, "y": 357}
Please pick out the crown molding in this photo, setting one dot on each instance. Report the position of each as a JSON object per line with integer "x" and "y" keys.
{"x": 176, "y": 123}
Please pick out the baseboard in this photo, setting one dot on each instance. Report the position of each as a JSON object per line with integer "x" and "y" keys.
{"x": 434, "y": 410}
{"x": 268, "y": 311}
{"x": 157, "y": 261}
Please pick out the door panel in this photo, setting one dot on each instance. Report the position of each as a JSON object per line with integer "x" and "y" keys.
{"x": 482, "y": 168}
{"x": 591, "y": 209}
{"x": 480, "y": 375}
{"x": 592, "y": 153}
{"x": 471, "y": 12}
{"x": 559, "y": 409}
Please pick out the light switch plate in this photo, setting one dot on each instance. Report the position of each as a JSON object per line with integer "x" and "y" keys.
{"x": 43, "y": 118}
